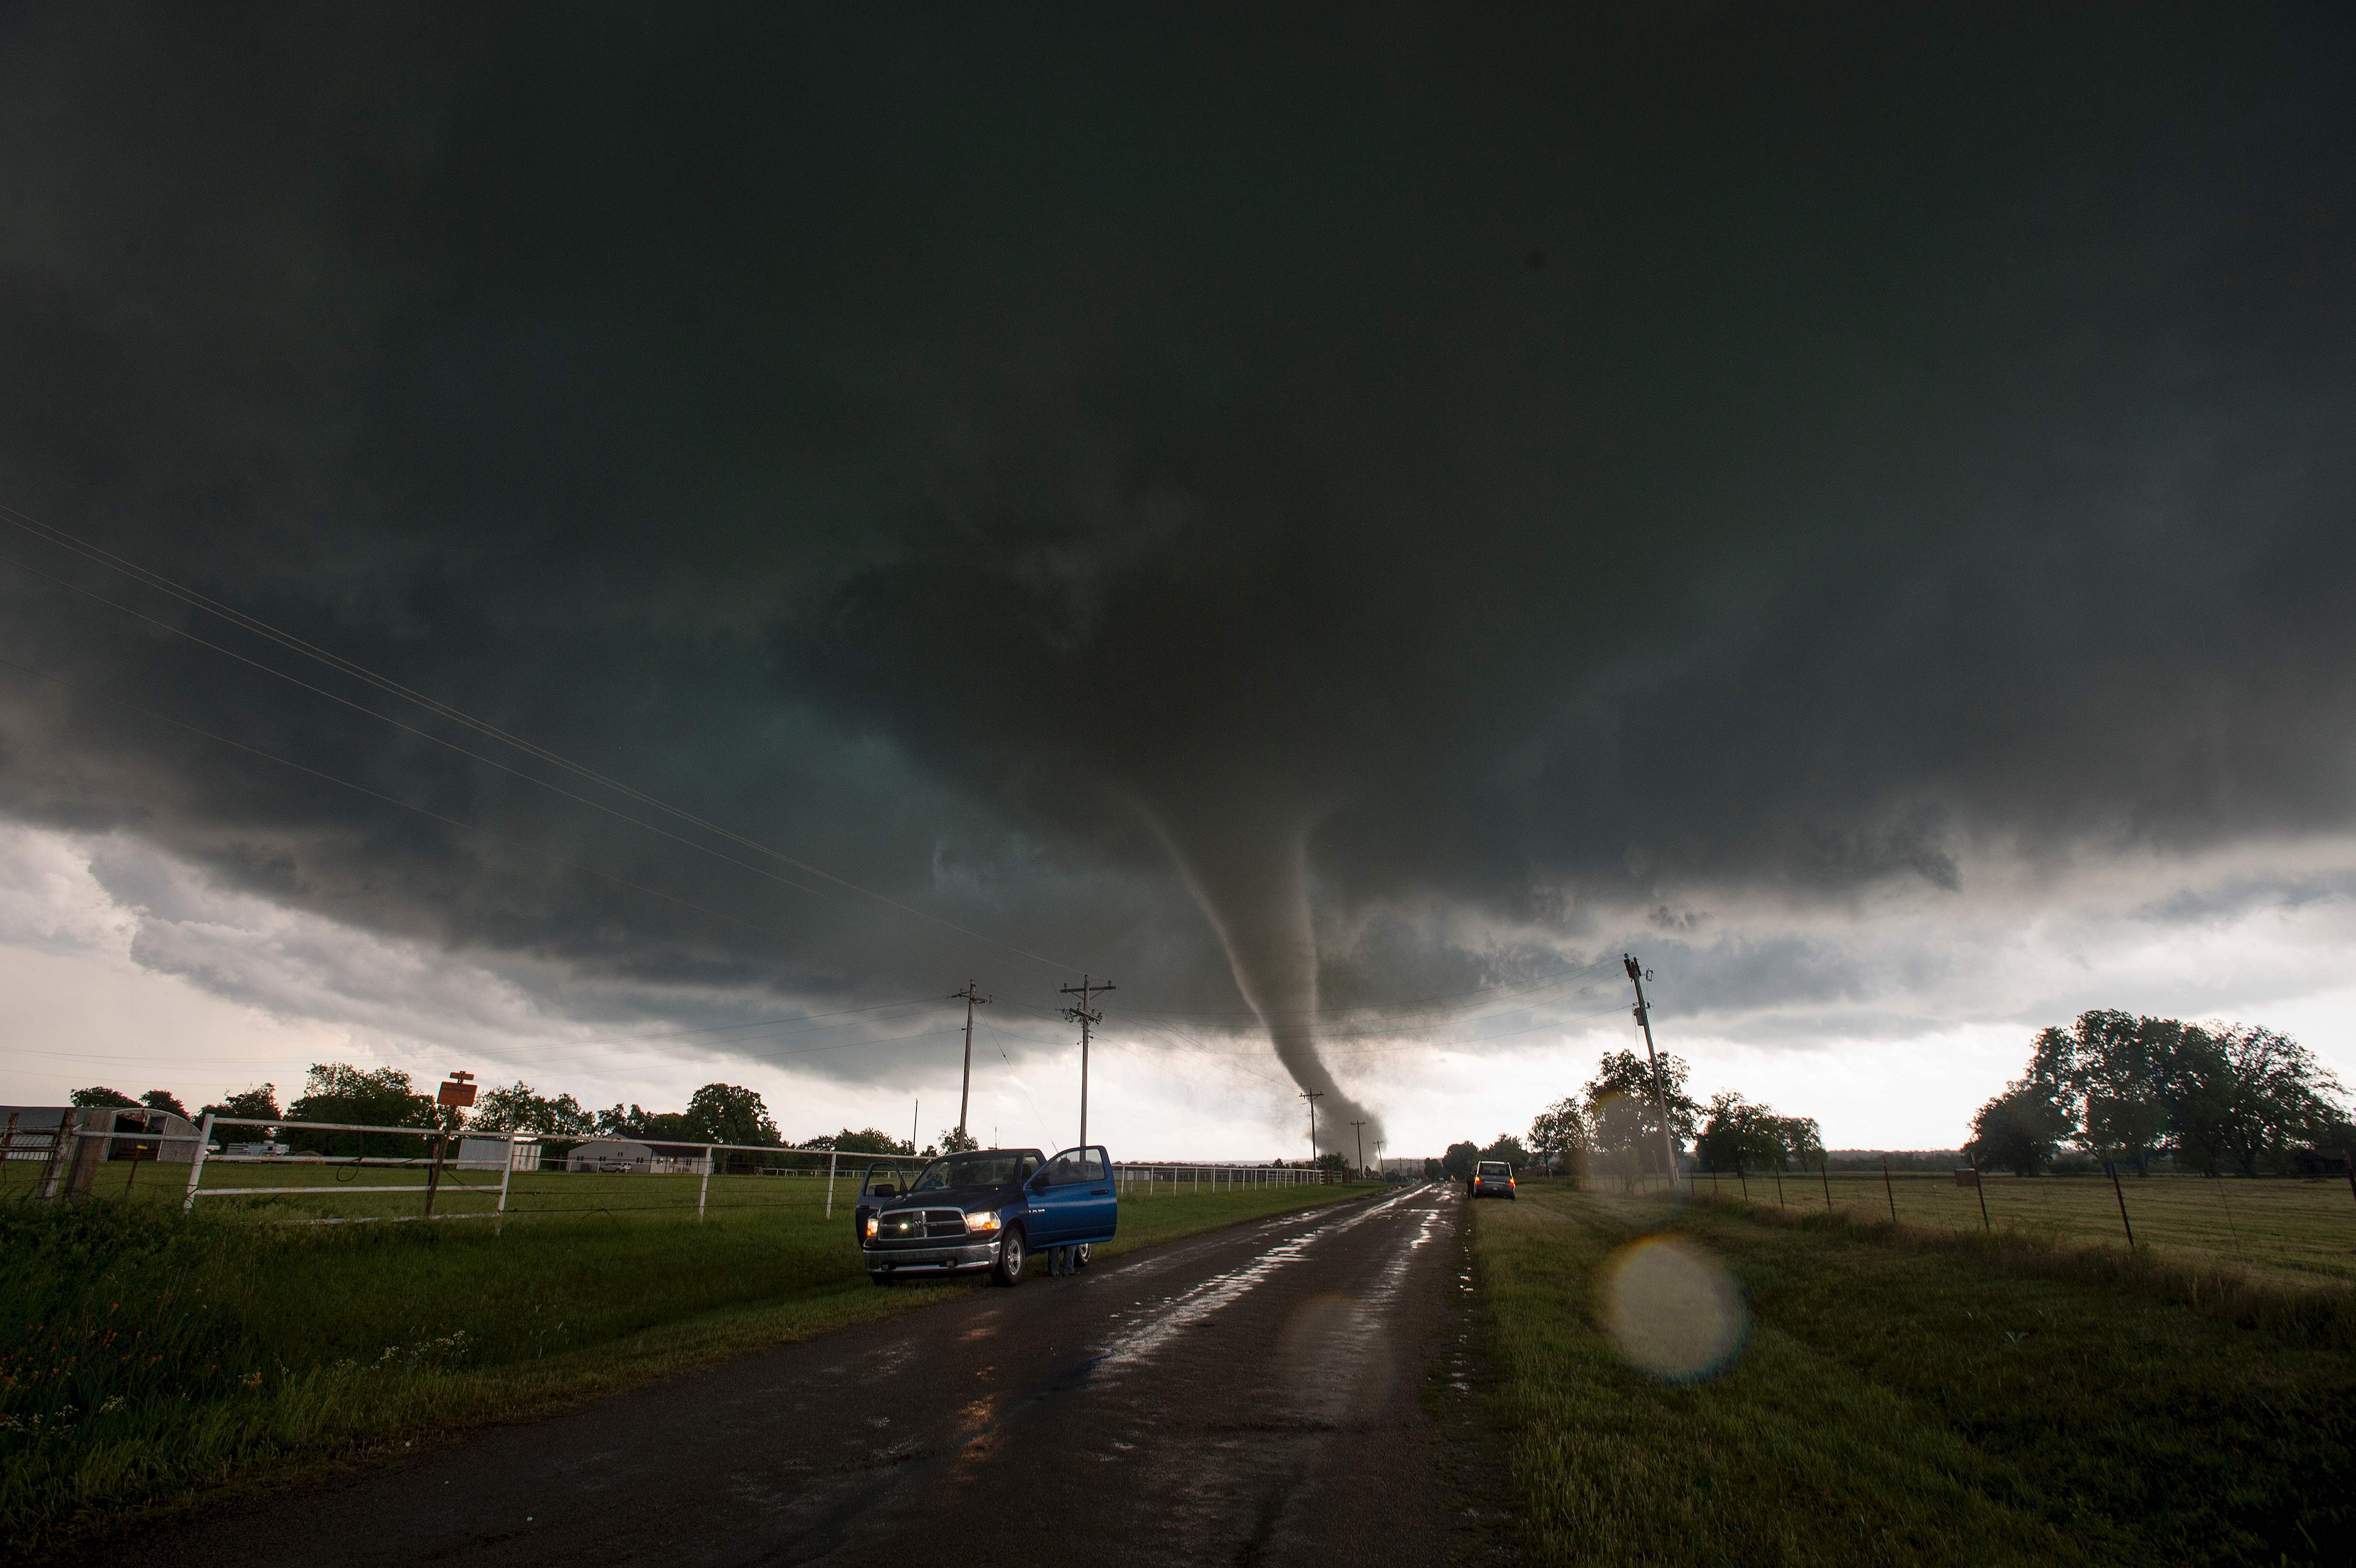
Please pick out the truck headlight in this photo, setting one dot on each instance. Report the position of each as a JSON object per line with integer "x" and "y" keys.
{"x": 871, "y": 1226}
{"x": 985, "y": 1221}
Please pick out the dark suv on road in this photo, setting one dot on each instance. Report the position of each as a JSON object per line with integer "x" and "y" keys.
{"x": 989, "y": 1209}
{"x": 1492, "y": 1179}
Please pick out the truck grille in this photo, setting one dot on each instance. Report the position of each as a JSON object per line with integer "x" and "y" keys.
{"x": 914, "y": 1225}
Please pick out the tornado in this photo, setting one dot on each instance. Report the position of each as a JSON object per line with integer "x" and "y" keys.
{"x": 1250, "y": 874}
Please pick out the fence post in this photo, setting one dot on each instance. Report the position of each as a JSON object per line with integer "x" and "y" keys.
{"x": 1779, "y": 1182}
{"x": 1887, "y": 1191}
{"x": 506, "y": 1175}
{"x": 2120, "y": 1193}
{"x": 1979, "y": 1186}
{"x": 704, "y": 1188}
{"x": 91, "y": 1145}
{"x": 62, "y": 1148}
{"x": 1742, "y": 1177}
{"x": 1824, "y": 1165}
{"x": 2347, "y": 1158}
{"x": 832, "y": 1156}
{"x": 197, "y": 1163}
{"x": 432, "y": 1172}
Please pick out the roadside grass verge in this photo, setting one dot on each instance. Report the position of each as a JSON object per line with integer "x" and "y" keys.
{"x": 151, "y": 1362}
{"x": 1910, "y": 1396}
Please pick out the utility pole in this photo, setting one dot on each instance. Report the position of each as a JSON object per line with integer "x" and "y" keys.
{"x": 1081, "y": 1015}
{"x": 971, "y": 994}
{"x": 1660, "y": 1089}
{"x": 1361, "y": 1146}
{"x": 1313, "y": 1096}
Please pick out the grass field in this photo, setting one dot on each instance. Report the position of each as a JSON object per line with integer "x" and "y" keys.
{"x": 2286, "y": 1230}
{"x": 1913, "y": 1395}
{"x": 151, "y": 1361}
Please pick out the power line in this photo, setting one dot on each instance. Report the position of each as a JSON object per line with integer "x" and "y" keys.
{"x": 62, "y": 539}
{"x": 389, "y": 800}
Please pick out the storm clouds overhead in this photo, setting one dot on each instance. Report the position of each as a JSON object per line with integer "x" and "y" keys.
{"x": 1340, "y": 523}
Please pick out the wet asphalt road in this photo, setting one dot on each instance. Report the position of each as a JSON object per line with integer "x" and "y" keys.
{"x": 1252, "y": 1396}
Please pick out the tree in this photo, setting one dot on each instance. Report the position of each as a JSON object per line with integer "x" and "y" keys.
{"x": 1560, "y": 1138}
{"x": 1804, "y": 1141}
{"x": 1740, "y": 1135}
{"x": 2021, "y": 1128}
{"x": 521, "y": 1108}
{"x": 2280, "y": 1096}
{"x": 2206, "y": 1094}
{"x": 868, "y": 1140}
{"x": 165, "y": 1100}
{"x": 1460, "y": 1160}
{"x": 726, "y": 1114}
{"x": 261, "y": 1104}
{"x": 635, "y": 1121}
{"x": 1621, "y": 1096}
{"x": 1334, "y": 1160}
{"x": 956, "y": 1142}
{"x": 340, "y": 1091}
{"x": 2119, "y": 1076}
{"x": 100, "y": 1094}
{"x": 1508, "y": 1148}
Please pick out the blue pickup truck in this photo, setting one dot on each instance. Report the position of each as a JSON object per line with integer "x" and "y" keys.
{"x": 989, "y": 1209}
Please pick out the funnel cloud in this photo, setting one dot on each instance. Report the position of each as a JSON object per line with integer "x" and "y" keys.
{"x": 1252, "y": 876}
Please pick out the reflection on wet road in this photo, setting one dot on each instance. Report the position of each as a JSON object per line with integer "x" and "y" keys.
{"x": 1244, "y": 1397}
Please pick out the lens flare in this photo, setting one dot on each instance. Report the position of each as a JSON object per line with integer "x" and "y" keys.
{"x": 1672, "y": 1310}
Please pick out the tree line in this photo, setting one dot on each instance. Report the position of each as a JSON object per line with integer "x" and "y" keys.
{"x": 1615, "y": 1124}
{"x": 387, "y": 1096}
{"x": 2208, "y": 1097}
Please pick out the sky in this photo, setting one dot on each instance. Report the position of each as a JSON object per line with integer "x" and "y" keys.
{"x": 625, "y": 549}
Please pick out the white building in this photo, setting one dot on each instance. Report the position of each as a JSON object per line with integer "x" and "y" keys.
{"x": 628, "y": 1155}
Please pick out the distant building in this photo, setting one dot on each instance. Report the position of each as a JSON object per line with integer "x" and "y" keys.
{"x": 620, "y": 1154}
{"x": 36, "y": 1133}
{"x": 489, "y": 1154}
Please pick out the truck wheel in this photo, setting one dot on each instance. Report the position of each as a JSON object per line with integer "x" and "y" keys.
{"x": 879, "y": 1279}
{"x": 1080, "y": 1256}
{"x": 1008, "y": 1268}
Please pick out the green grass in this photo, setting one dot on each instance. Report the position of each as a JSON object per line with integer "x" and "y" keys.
{"x": 151, "y": 1361}
{"x": 1916, "y": 1396}
{"x": 2290, "y": 1231}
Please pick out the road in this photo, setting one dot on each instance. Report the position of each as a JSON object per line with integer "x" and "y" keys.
{"x": 1251, "y": 1396}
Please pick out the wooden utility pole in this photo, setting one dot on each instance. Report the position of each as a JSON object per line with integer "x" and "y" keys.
{"x": 1361, "y": 1146}
{"x": 972, "y": 995}
{"x": 1312, "y": 1097}
{"x": 1086, "y": 1018}
{"x": 1660, "y": 1088}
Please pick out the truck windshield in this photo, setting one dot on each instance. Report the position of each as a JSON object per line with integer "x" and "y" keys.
{"x": 972, "y": 1170}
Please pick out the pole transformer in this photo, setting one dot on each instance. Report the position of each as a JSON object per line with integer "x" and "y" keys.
{"x": 1082, "y": 1016}
{"x": 1660, "y": 1087}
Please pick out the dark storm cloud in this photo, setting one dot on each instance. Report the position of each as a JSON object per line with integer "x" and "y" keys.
{"x": 1059, "y": 471}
